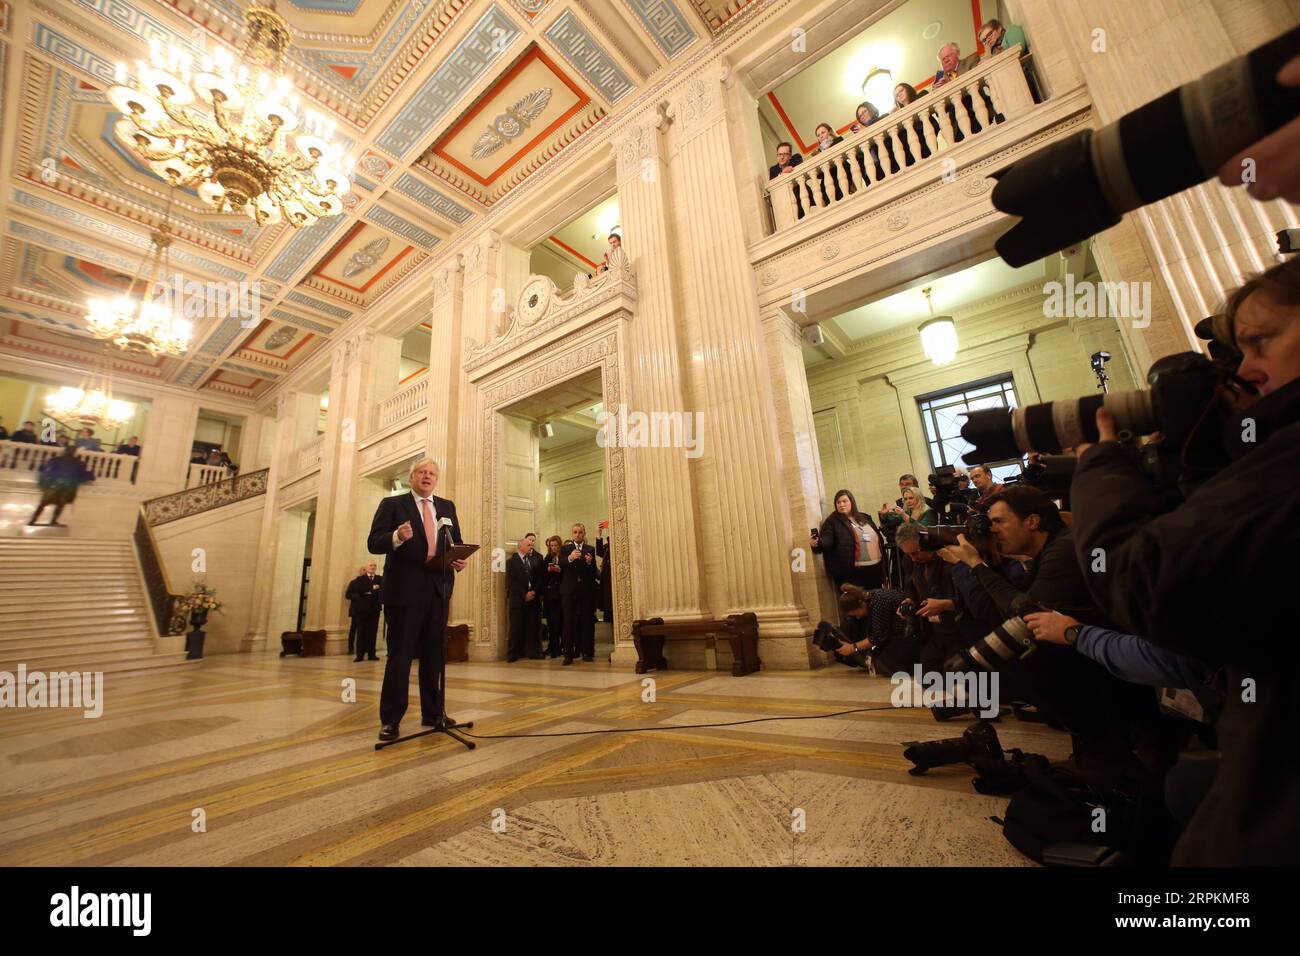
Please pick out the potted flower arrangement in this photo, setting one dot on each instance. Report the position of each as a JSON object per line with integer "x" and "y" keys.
{"x": 201, "y": 601}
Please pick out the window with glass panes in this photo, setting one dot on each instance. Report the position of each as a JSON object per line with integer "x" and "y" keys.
{"x": 945, "y": 412}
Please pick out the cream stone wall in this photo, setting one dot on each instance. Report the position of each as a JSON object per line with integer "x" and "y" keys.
{"x": 229, "y": 542}
{"x": 561, "y": 472}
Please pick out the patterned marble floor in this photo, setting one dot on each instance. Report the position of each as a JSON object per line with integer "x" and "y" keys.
{"x": 281, "y": 770}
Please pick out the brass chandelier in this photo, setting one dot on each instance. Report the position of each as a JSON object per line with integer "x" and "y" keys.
{"x": 92, "y": 404}
{"x": 150, "y": 323}
{"x": 234, "y": 129}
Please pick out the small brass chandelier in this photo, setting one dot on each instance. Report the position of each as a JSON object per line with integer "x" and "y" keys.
{"x": 150, "y": 323}
{"x": 234, "y": 129}
{"x": 92, "y": 404}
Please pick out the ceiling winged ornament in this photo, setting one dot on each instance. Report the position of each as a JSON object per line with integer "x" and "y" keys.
{"x": 512, "y": 123}
{"x": 367, "y": 257}
{"x": 281, "y": 337}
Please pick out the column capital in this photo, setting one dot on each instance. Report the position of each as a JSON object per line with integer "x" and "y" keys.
{"x": 700, "y": 102}
{"x": 447, "y": 279}
{"x": 476, "y": 258}
{"x": 639, "y": 141}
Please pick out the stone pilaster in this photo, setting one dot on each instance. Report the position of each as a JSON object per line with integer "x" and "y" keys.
{"x": 746, "y": 520}
{"x": 445, "y": 371}
{"x": 364, "y": 366}
{"x": 662, "y": 531}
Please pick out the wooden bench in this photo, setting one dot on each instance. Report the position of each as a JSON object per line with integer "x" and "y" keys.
{"x": 290, "y": 643}
{"x": 741, "y": 630}
{"x": 457, "y": 637}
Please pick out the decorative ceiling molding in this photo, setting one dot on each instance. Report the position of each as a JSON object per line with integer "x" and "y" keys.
{"x": 412, "y": 188}
{"x": 666, "y": 24}
{"x": 329, "y": 309}
{"x": 407, "y": 230}
{"x": 489, "y": 38}
{"x": 302, "y": 246}
{"x": 575, "y": 43}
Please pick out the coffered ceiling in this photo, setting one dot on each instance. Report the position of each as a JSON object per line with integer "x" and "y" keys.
{"x": 446, "y": 106}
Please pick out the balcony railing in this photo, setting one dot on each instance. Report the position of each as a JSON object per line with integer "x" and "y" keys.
{"x": 169, "y": 614}
{"x": 967, "y": 106}
{"x": 206, "y": 475}
{"x": 409, "y": 401}
{"x": 23, "y": 462}
{"x": 193, "y": 501}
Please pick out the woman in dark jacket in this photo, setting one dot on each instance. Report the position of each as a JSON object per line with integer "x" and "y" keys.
{"x": 826, "y": 139}
{"x": 552, "y": 606}
{"x": 851, "y": 545}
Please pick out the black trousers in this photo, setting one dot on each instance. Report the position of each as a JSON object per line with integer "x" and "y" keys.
{"x": 553, "y": 609}
{"x": 352, "y": 635}
{"x": 367, "y": 630}
{"x": 579, "y": 625}
{"x": 525, "y": 625}
{"x": 415, "y": 632}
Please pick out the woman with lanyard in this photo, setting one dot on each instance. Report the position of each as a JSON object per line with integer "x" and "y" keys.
{"x": 851, "y": 545}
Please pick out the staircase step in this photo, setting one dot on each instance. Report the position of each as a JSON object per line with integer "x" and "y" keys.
{"x": 65, "y": 649}
{"x": 150, "y": 663}
{"x": 89, "y": 618}
{"x": 55, "y": 629}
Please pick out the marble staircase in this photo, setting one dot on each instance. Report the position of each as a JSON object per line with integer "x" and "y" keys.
{"x": 75, "y": 604}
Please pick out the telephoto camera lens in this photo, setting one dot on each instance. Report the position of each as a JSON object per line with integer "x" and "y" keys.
{"x": 1081, "y": 185}
{"x": 978, "y": 742}
{"x": 1010, "y": 640}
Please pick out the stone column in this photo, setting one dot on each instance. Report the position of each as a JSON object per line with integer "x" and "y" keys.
{"x": 165, "y": 444}
{"x": 662, "y": 529}
{"x": 269, "y": 538}
{"x": 801, "y": 465}
{"x": 747, "y": 525}
{"x": 363, "y": 368}
{"x": 445, "y": 373}
{"x": 483, "y": 308}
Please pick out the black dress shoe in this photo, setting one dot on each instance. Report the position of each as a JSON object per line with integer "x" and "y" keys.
{"x": 429, "y": 723}
{"x": 372, "y": 657}
{"x": 568, "y": 661}
{"x": 448, "y": 721}
{"x": 588, "y": 658}
{"x": 357, "y": 660}
{"x": 511, "y": 660}
{"x": 388, "y": 732}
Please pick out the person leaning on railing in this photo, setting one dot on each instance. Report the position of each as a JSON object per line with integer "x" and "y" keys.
{"x": 826, "y": 139}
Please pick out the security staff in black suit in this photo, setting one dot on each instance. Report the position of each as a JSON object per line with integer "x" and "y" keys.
{"x": 363, "y": 608}
{"x": 408, "y": 529}
{"x": 524, "y": 580}
{"x": 579, "y": 588}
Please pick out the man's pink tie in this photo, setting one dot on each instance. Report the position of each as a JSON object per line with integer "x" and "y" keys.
{"x": 427, "y": 513}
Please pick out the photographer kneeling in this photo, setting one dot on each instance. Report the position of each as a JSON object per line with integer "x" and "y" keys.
{"x": 874, "y": 631}
{"x": 942, "y": 626}
{"x": 1069, "y": 690}
{"x": 1205, "y": 578}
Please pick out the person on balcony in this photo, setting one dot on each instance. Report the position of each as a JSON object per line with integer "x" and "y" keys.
{"x": 615, "y": 257}
{"x": 952, "y": 64}
{"x": 59, "y": 479}
{"x": 995, "y": 37}
{"x": 130, "y": 447}
{"x": 786, "y": 160}
{"x": 866, "y": 114}
{"x": 26, "y": 434}
{"x": 915, "y": 147}
{"x": 87, "y": 441}
{"x": 827, "y": 139}
{"x": 4, "y": 432}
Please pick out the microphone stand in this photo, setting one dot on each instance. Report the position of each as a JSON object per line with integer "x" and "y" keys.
{"x": 443, "y": 725}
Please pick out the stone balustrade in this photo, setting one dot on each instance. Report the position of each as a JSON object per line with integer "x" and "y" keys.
{"x": 408, "y": 402}
{"x": 899, "y": 142}
{"x": 205, "y": 475}
{"x": 22, "y": 462}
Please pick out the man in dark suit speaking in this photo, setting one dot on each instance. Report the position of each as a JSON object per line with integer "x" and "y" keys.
{"x": 410, "y": 529}
{"x": 579, "y": 588}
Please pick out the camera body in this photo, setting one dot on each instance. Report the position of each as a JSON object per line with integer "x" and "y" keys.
{"x": 976, "y": 527}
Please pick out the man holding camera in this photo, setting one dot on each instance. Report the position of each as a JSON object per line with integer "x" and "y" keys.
{"x": 1235, "y": 539}
{"x": 1066, "y": 688}
{"x": 930, "y": 593}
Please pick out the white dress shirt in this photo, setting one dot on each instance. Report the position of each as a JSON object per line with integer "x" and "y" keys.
{"x": 433, "y": 518}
